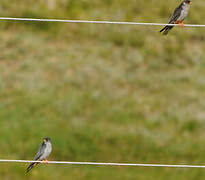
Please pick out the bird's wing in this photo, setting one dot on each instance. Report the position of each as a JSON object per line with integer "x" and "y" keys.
{"x": 40, "y": 151}
{"x": 176, "y": 14}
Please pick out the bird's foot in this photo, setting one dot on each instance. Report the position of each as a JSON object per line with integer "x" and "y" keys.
{"x": 180, "y": 23}
{"x": 45, "y": 161}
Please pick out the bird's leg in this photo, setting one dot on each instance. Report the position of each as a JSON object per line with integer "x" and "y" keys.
{"x": 45, "y": 161}
{"x": 181, "y": 24}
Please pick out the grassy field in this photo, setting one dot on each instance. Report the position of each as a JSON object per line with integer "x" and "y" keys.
{"x": 108, "y": 93}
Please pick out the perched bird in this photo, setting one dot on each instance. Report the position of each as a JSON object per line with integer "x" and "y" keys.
{"x": 180, "y": 13}
{"x": 42, "y": 154}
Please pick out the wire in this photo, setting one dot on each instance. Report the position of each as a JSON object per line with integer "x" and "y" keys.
{"x": 101, "y": 22}
{"x": 106, "y": 164}
{"x": 97, "y": 22}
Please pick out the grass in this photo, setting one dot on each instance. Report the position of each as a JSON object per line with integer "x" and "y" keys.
{"x": 101, "y": 92}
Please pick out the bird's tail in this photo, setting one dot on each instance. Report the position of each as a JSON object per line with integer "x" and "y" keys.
{"x": 31, "y": 166}
{"x": 166, "y": 29}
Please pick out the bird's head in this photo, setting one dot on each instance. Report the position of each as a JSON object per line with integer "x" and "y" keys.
{"x": 46, "y": 139}
{"x": 187, "y": 1}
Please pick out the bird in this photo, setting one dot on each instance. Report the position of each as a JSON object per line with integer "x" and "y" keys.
{"x": 42, "y": 154}
{"x": 180, "y": 13}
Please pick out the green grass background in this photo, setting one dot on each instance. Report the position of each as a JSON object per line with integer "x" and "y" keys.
{"x": 108, "y": 93}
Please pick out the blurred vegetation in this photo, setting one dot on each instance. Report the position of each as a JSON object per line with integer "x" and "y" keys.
{"x": 109, "y": 93}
